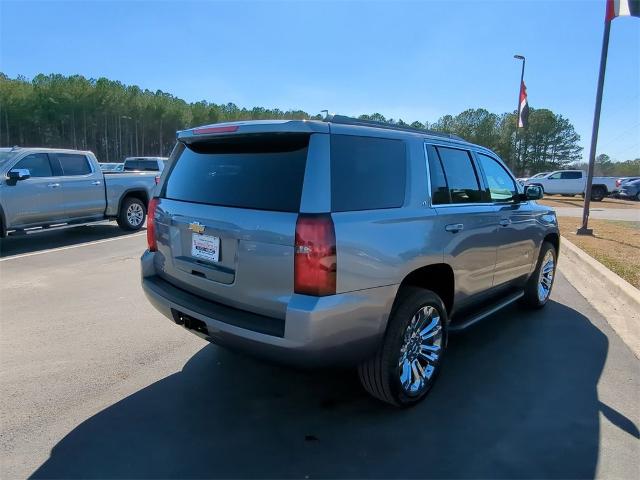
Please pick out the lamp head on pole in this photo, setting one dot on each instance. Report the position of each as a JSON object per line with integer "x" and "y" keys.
{"x": 519, "y": 57}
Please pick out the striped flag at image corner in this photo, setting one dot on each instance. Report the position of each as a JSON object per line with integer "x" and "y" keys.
{"x": 622, "y": 8}
{"x": 523, "y": 114}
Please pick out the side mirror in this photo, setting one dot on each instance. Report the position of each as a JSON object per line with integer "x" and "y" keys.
{"x": 19, "y": 174}
{"x": 533, "y": 192}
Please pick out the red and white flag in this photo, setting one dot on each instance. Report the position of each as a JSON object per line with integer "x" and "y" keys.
{"x": 523, "y": 114}
{"x": 619, "y": 8}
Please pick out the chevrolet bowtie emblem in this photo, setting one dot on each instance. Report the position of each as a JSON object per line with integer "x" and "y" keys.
{"x": 196, "y": 227}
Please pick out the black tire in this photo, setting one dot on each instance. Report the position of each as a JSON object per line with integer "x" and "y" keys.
{"x": 380, "y": 375}
{"x": 541, "y": 187}
{"x": 638, "y": 196}
{"x": 129, "y": 221}
{"x": 598, "y": 193}
{"x": 531, "y": 299}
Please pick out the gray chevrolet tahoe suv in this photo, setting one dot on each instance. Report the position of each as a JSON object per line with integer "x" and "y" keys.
{"x": 343, "y": 242}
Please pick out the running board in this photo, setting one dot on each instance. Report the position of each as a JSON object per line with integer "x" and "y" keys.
{"x": 55, "y": 226}
{"x": 458, "y": 327}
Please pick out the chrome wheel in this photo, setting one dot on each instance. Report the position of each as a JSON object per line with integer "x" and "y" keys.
{"x": 421, "y": 350}
{"x": 135, "y": 214}
{"x": 547, "y": 270}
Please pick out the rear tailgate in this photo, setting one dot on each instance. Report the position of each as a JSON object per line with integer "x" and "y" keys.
{"x": 226, "y": 217}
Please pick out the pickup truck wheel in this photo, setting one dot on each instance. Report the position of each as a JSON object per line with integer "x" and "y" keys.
{"x": 598, "y": 193}
{"x": 406, "y": 365}
{"x": 132, "y": 214}
{"x": 538, "y": 288}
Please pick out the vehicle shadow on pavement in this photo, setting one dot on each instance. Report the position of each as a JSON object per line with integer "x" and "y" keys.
{"x": 517, "y": 398}
{"x": 44, "y": 240}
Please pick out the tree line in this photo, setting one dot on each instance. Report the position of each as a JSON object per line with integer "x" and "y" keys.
{"x": 115, "y": 120}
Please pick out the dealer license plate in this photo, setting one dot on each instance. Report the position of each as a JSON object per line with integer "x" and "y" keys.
{"x": 206, "y": 247}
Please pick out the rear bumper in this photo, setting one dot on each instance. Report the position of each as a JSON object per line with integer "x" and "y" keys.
{"x": 339, "y": 329}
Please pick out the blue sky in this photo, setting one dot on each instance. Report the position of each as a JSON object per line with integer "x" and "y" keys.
{"x": 410, "y": 60}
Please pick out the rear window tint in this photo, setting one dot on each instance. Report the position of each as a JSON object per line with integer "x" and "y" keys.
{"x": 571, "y": 175}
{"x": 131, "y": 165}
{"x": 439, "y": 188}
{"x": 367, "y": 173}
{"x": 149, "y": 165}
{"x": 73, "y": 164}
{"x": 260, "y": 172}
{"x": 461, "y": 176}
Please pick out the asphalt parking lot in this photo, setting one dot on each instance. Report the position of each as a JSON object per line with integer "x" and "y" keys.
{"x": 95, "y": 383}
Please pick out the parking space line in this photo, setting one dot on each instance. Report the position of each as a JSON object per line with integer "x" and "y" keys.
{"x": 69, "y": 247}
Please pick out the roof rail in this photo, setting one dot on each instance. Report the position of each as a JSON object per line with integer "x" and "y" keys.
{"x": 344, "y": 120}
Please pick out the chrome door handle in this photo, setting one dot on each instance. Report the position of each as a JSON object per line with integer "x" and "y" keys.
{"x": 97, "y": 182}
{"x": 53, "y": 185}
{"x": 504, "y": 222}
{"x": 454, "y": 227}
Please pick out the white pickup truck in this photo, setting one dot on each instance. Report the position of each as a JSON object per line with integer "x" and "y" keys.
{"x": 573, "y": 182}
{"x": 46, "y": 187}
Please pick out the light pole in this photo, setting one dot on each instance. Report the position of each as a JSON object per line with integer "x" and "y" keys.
{"x": 524, "y": 61}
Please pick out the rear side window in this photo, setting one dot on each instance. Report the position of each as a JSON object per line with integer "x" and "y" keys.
{"x": 439, "y": 188}
{"x": 571, "y": 175}
{"x": 367, "y": 173}
{"x": 73, "y": 164}
{"x": 260, "y": 172}
{"x": 37, "y": 164}
{"x": 462, "y": 179}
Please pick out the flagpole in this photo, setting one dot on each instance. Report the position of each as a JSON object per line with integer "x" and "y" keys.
{"x": 515, "y": 146}
{"x": 584, "y": 229}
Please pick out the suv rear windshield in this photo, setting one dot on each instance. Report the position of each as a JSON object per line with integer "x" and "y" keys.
{"x": 260, "y": 172}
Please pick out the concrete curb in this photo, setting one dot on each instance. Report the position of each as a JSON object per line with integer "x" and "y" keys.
{"x": 613, "y": 297}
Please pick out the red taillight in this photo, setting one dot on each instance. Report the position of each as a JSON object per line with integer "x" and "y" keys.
{"x": 618, "y": 182}
{"x": 206, "y": 130}
{"x": 151, "y": 225}
{"x": 315, "y": 256}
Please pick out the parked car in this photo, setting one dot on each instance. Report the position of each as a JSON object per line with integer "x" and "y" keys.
{"x": 630, "y": 190}
{"x": 144, "y": 164}
{"x": 40, "y": 187}
{"x": 622, "y": 180}
{"x": 112, "y": 167}
{"x": 573, "y": 182}
{"x": 343, "y": 242}
{"x": 524, "y": 180}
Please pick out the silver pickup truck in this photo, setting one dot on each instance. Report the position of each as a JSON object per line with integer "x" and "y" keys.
{"x": 41, "y": 187}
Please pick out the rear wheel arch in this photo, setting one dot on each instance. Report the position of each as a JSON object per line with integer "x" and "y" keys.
{"x": 438, "y": 278}
{"x": 140, "y": 194}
